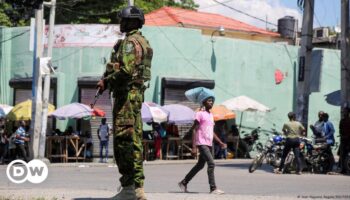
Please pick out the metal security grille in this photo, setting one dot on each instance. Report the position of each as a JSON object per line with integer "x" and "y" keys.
{"x": 104, "y": 103}
{"x": 177, "y": 96}
{"x": 22, "y": 95}
{"x": 173, "y": 92}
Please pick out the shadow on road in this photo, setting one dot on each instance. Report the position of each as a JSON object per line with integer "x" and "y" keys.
{"x": 177, "y": 192}
{"x": 89, "y": 198}
{"x": 245, "y": 166}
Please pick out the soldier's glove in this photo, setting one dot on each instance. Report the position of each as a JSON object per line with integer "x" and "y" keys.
{"x": 101, "y": 85}
{"x": 113, "y": 67}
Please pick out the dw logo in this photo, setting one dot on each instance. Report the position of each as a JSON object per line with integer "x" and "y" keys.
{"x": 19, "y": 171}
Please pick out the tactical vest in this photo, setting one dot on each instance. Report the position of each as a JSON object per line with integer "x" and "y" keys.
{"x": 144, "y": 54}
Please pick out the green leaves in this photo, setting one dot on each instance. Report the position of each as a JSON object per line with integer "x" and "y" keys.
{"x": 15, "y": 13}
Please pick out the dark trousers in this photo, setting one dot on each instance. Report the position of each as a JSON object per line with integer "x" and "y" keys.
{"x": 21, "y": 149}
{"x": 204, "y": 157}
{"x": 330, "y": 153}
{"x": 291, "y": 143}
{"x": 3, "y": 151}
{"x": 344, "y": 149}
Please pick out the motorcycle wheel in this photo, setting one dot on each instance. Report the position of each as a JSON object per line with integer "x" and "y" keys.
{"x": 256, "y": 163}
{"x": 290, "y": 163}
{"x": 347, "y": 164}
{"x": 277, "y": 159}
{"x": 324, "y": 164}
{"x": 277, "y": 162}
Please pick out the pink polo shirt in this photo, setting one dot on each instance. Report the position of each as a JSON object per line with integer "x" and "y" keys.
{"x": 205, "y": 131}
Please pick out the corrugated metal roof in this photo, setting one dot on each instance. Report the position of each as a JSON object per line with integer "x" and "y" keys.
{"x": 170, "y": 16}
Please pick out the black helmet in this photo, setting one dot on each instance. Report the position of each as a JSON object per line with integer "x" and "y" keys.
{"x": 132, "y": 12}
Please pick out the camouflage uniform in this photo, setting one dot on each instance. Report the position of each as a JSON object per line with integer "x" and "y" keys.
{"x": 126, "y": 74}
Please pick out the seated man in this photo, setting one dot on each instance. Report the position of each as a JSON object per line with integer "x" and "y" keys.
{"x": 317, "y": 128}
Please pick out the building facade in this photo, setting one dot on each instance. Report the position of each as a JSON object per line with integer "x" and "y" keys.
{"x": 183, "y": 58}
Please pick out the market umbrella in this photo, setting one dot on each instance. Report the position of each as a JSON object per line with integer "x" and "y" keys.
{"x": 23, "y": 111}
{"x": 5, "y": 109}
{"x": 220, "y": 112}
{"x": 152, "y": 112}
{"x": 179, "y": 114}
{"x": 244, "y": 103}
{"x": 73, "y": 110}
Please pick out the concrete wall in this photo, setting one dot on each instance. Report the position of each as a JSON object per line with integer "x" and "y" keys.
{"x": 238, "y": 67}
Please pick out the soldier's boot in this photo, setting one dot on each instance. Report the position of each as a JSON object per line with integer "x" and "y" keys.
{"x": 127, "y": 193}
{"x": 140, "y": 194}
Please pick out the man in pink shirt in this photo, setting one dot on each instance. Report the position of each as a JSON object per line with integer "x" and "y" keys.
{"x": 203, "y": 135}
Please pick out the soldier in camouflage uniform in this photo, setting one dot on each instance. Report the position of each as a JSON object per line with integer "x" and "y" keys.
{"x": 126, "y": 74}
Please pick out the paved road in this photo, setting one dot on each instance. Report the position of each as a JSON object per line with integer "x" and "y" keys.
{"x": 99, "y": 181}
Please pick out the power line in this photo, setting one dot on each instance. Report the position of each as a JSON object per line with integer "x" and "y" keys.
{"x": 342, "y": 62}
{"x": 15, "y": 36}
{"x": 190, "y": 62}
{"x": 265, "y": 21}
{"x": 244, "y": 13}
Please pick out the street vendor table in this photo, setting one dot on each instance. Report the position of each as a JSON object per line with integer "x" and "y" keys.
{"x": 184, "y": 148}
{"x": 60, "y": 140}
{"x": 75, "y": 143}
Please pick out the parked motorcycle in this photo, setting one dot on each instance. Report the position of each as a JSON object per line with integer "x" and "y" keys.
{"x": 272, "y": 153}
{"x": 248, "y": 143}
{"x": 315, "y": 158}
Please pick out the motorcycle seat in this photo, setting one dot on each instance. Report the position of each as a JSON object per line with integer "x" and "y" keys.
{"x": 320, "y": 140}
{"x": 320, "y": 146}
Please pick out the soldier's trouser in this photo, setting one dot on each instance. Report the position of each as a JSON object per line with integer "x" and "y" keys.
{"x": 127, "y": 139}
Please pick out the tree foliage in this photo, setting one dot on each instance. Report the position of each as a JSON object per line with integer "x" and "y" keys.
{"x": 15, "y": 13}
{"x": 12, "y": 14}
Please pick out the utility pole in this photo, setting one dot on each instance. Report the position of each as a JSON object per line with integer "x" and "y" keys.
{"x": 46, "y": 92}
{"x": 345, "y": 57}
{"x": 130, "y": 2}
{"x": 37, "y": 80}
{"x": 305, "y": 59}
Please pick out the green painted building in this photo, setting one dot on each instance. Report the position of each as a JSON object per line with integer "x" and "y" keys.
{"x": 183, "y": 58}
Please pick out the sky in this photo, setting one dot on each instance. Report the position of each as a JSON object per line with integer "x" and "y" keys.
{"x": 327, "y": 12}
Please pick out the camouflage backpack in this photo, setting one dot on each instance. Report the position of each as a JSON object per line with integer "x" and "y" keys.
{"x": 144, "y": 54}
